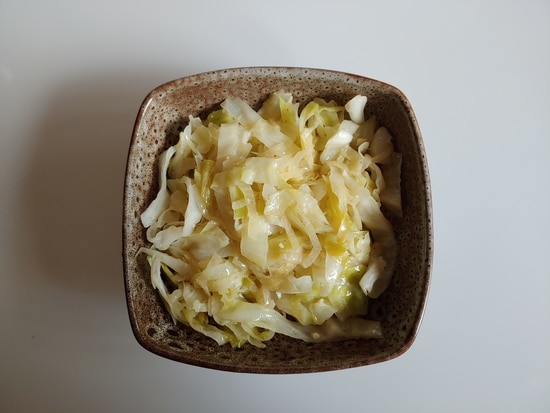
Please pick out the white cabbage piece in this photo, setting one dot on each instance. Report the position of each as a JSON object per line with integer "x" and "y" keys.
{"x": 356, "y": 108}
{"x": 161, "y": 201}
{"x": 270, "y": 222}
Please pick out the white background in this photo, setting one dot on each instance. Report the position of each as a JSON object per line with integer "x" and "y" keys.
{"x": 72, "y": 77}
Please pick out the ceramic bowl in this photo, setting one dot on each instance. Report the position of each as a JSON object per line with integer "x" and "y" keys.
{"x": 164, "y": 113}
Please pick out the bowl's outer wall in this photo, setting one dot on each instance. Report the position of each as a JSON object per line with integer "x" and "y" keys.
{"x": 165, "y": 112}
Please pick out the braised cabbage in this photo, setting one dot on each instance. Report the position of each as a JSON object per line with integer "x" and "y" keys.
{"x": 270, "y": 222}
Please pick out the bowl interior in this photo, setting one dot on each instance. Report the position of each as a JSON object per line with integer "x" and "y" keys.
{"x": 164, "y": 113}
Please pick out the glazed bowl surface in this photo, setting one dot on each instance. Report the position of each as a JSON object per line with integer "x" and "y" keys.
{"x": 164, "y": 113}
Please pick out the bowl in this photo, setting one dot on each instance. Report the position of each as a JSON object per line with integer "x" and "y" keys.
{"x": 164, "y": 113}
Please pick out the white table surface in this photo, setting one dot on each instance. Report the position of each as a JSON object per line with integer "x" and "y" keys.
{"x": 72, "y": 76}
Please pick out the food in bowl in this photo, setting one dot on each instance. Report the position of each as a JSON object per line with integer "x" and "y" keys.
{"x": 273, "y": 221}
{"x": 164, "y": 113}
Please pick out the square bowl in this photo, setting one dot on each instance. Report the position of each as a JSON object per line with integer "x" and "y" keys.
{"x": 164, "y": 113}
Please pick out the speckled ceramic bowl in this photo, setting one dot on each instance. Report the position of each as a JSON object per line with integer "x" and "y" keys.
{"x": 164, "y": 113}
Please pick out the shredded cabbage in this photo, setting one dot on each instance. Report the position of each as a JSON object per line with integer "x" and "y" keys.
{"x": 270, "y": 222}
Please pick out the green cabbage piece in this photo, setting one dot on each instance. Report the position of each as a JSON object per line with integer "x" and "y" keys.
{"x": 270, "y": 221}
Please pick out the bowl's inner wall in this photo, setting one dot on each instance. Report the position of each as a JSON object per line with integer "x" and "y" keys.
{"x": 165, "y": 113}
